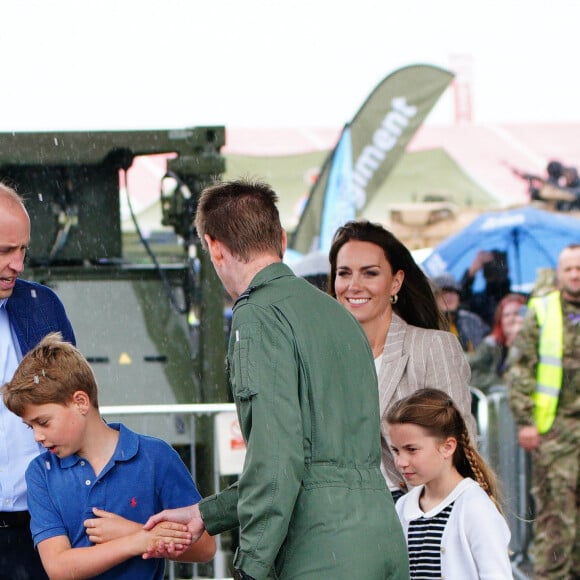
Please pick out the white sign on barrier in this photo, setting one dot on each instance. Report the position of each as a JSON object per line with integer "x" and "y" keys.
{"x": 231, "y": 446}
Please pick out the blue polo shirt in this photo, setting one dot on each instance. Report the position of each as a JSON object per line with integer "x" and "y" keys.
{"x": 145, "y": 475}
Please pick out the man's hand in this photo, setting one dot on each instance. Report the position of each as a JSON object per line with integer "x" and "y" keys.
{"x": 189, "y": 516}
{"x": 529, "y": 437}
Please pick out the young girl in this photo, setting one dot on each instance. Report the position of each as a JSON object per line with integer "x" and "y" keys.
{"x": 451, "y": 517}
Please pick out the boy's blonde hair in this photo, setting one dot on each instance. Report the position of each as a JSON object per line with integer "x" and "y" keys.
{"x": 50, "y": 373}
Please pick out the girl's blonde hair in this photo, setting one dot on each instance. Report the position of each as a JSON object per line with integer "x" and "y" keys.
{"x": 435, "y": 411}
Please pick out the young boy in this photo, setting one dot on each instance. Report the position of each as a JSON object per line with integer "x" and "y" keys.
{"x": 90, "y": 464}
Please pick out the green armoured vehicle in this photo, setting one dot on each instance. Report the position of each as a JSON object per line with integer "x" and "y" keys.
{"x": 150, "y": 321}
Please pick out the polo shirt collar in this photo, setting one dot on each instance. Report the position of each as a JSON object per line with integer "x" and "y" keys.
{"x": 126, "y": 449}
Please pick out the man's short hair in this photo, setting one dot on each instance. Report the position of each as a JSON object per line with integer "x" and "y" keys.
{"x": 9, "y": 193}
{"x": 50, "y": 373}
{"x": 243, "y": 216}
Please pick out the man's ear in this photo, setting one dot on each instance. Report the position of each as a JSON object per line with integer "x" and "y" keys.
{"x": 284, "y": 241}
{"x": 215, "y": 249}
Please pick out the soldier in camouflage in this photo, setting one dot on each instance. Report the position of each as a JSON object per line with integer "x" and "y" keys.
{"x": 544, "y": 393}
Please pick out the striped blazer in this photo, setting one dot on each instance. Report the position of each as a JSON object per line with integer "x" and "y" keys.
{"x": 415, "y": 358}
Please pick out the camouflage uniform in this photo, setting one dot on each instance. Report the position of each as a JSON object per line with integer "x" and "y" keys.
{"x": 555, "y": 471}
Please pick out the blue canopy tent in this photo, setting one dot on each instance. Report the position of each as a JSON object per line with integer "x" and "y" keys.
{"x": 532, "y": 238}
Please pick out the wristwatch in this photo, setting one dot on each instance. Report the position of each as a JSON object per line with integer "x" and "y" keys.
{"x": 241, "y": 575}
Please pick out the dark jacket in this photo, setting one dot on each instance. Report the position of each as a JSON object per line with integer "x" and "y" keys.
{"x": 34, "y": 311}
{"x": 483, "y": 303}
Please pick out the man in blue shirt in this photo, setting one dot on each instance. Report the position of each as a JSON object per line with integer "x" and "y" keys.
{"x": 28, "y": 311}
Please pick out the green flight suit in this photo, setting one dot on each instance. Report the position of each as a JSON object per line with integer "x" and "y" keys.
{"x": 311, "y": 501}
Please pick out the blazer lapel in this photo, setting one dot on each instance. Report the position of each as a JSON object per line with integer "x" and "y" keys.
{"x": 394, "y": 362}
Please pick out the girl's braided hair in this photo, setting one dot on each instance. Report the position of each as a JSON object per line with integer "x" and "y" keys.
{"x": 435, "y": 411}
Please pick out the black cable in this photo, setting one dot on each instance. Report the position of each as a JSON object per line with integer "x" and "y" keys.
{"x": 166, "y": 285}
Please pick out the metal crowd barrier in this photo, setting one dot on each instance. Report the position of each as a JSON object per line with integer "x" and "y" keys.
{"x": 498, "y": 445}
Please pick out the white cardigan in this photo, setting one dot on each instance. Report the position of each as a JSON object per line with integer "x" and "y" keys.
{"x": 475, "y": 541}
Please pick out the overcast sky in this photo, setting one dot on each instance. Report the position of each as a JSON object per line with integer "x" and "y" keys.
{"x": 144, "y": 64}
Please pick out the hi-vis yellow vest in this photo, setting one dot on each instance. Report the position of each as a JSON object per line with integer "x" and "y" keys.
{"x": 549, "y": 371}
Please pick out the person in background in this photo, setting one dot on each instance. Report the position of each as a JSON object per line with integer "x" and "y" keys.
{"x": 374, "y": 276}
{"x": 543, "y": 378}
{"x": 488, "y": 362}
{"x": 555, "y": 171}
{"x": 571, "y": 183}
{"x": 468, "y": 327}
{"x": 90, "y": 463}
{"x": 452, "y": 517}
{"x": 493, "y": 265}
{"x": 311, "y": 502}
{"x": 28, "y": 311}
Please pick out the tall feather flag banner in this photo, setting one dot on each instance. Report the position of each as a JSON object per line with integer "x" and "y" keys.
{"x": 378, "y": 135}
{"x": 339, "y": 204}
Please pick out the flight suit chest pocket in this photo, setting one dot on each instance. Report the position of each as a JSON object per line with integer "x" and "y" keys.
{"x": 244, "y": 363}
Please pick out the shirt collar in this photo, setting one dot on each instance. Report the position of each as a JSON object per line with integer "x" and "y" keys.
{"x": 265, "y": 276}
{"x": 126, "y": 449}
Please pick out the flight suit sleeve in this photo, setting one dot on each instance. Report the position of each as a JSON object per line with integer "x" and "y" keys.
{"x": 220, "y": 511}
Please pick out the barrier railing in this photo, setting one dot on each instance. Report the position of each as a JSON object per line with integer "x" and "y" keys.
{"x": 497, "y": 440}
{"x": 498, "y": 444}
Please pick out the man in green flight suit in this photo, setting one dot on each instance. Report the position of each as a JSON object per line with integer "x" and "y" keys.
{"x": 544, "y": 380}
{"x": 311, "y": 502}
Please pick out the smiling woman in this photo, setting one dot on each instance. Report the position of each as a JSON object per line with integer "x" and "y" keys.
{"x": 374, "y": 276}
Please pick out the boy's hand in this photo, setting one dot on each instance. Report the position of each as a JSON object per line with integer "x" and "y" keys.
{"x": 188, "y": 516}
{"x": 155, "y": 542}
{"x": 172, "y": 533}
{"x": 165, "y": 548}
{"x": 107, "y": 526}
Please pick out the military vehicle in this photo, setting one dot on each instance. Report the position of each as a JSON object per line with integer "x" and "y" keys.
{"x": 151, "y": 321}
{"x": 148, "y": 316}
